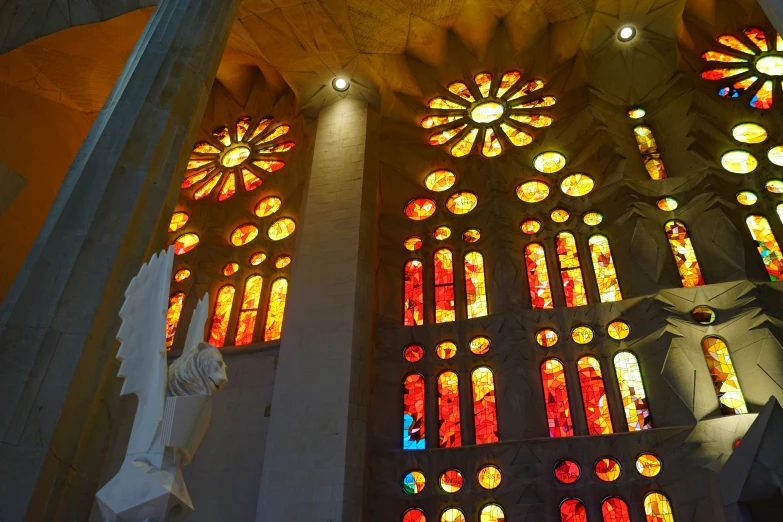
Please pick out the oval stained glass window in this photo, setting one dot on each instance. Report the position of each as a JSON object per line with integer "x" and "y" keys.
{"x": 740, "y": 161}
{"x": 244, "y": 234}
{"x": 268, "y": 206}
{"x": 636, "y": 113}
{"x": 774, "y": 186}
{"x": 749, "y": 133}
{"x": 257, "y": 258}
{"x": 747, "y": 198}
{"x": 648, "y": 465}
{"x": 487, "y": 112}
{"x": 593, "y": 218}
{"x": 479, "y": 345}
{"x": 451, "y": 481}
{"x": 440, "y": 180}
{"x": 446, "y": 350}
{"x": 413, "y": 353}
{"x": 489, "y": 477}
{"x": 546, "y": 337}
{"x": 533, "y": 191}
{"x": 567, "y": 471}
{"x": 668, "y": 204}
{"x": 492, "y": 513}
{"x": 559, "y": 215}
{"x": 413, "y": 483}
{"x": 607, "y": 469}
{"x": 178, "y": 220}
{"x": 442, "y": 233}
{"x": 775, "y": 155}
{"x": 420, "y": 208}
{"x": 530, "y": 226}
{"x": 281, "y": 229}
{"x": 471, "y": 235}
{"x": 577, "y": 185}
{"x": 618, "y": 330}
{"x": 549, "y": 162}
{"x": 582, "y": 334}
{"x": 185, "y": 243}
{"x": 282, "y": 261}
{"x": 452, "y": 515}
{"x": 414, "y": 515}
{"x": 413, "y": 243}
{"x": 181, "y": 275}
{"x": 703, "y": 315}
{"x": 230, "y": 269}
{"x": 461, "y": 202}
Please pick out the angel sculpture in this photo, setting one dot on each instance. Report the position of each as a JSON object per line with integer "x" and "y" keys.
{"x": 174, "y": 404}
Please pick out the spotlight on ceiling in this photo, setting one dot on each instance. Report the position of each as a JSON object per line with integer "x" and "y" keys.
{"x": 626, "y": 33}
{"x": 340, "y": 84}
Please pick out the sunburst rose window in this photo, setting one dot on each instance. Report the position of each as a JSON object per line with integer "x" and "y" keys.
{"x": 486, "y": 116}
{"x": 747, "y": 62}
{"x": 236, "y": 158}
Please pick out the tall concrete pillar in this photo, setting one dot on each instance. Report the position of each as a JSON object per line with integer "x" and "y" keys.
{"x": 58, "y": 323}
{"x": 315, "y": 450}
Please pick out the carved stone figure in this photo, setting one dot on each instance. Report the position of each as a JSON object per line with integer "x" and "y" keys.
{"x": 174, "y": 404}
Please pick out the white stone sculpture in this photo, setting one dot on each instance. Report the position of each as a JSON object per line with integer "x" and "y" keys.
{"x": 174, "y": 405}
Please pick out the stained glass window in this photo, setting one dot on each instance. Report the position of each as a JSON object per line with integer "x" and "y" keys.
{"x": 413, "y": 308}
{"x": 774, "y": 186}
{"x": 749, "y": 133}
{"x": 244, "y": 234}
{"x": 178, "y": 220}
{"x": 668, "y": 204}
{"x": 281, "y": 229}
{"x": 556, "y": 399}
{"x": 268, "y": 206}
{"x": 414, "y": 515}
{"x": 684, "y": 255}
{"x": 615, "y": 509}
{"x": 596, "y": 403}
{"x": 546, "y": 337}
{"x": 413, "y": 353}
{"x": 452, "y": 514}
{"x": 489, "y": 477}
{"x": 282, "y": 261}
{"x": 739, "y": 161}
{"x": 492, "y": 513}
{"x": 451, "y": 481}
{"x": 413, "y": 483}
{"x": 484, "y": 407}
{"x": 446, "y": 350}
{"x": 249, "y": 310}
{"x": 181, "y": 275}
{"x": 767, "y": 245}
{"x": 567, "y": 471}
{"x": 442, "y": 233}
{"x": 603, "y": 266}
{"x": 618, "y": 330}
{"x": 276, "y": 309}
{"x": 570, "y": 270}
{"x": 230, "y": 268}
{"x": 636, "y": 113}
{"x": 444, "y": 286}
{"x": 185, "y": 243}
{"x": 440, "y": 180}
{"x": 533, "y": 191}
{"x": 582, "y": 334}
{"x": 648, "y": 148}
{"x": 724, "y": 376}
{"x": 559, "y": 215}
{"x": 413, "y": 243}
{"x": 648, "y": 465}
{"x": 572, "y": 510}
{"x": 607, "y": 469}
{"x": 775, "y": 155}
{"x": 530, "y": 226}
{"x": 747, "y": 197}
{"x": 176, "y": 302}
{"x": 703, "y": 315}
{"x": 413, "y": 413}
{"x": 538, "y": 277}
{"x": 658, "y": 508}
{"x": 629, "y": 378}
{"x": 449, "y": 430}
{"x": 549, "y": 162}
{"x": 471, "y": 235}
{"x": 475, "y": 285}
{"x": 461, "y": 202}
{"x": 592, "y": 219}
{"x": 220, "y": 317}
{"x": 577, "y": 185}
{"x": 479, "y": 345}
{"x": 257, "y": 258}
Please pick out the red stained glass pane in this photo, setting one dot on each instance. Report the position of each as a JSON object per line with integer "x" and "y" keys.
{"x": 444, "y": 287}
{"x": 413, "y": 309}
{"x": 420, "y": 208}
{"x": 229, "y": 187}
{"x": 172, "y": 317}
{"x": 192, "y": 179}
{"x": 615, "y": 509}
{"x": 607, "y": 469}
{"x": 756, "y": 36}
{"x": 250, "y": 180}
{"x": 414, "y": 515}
{"x": 684, "y": 255}
{"x": 249, "y": 311}
{"x": 723, "y": 72}
{"x": 556, "y": 399}
{"x": 185, "y": 243}
{"x": 484, "y": 407}
{"x": 413, "y": 353}
{"x": 220, "y": 317}
{"x": 450, "y": 432}
{"x": 570, "y": 270}
{"x": 475, "y": 285}
{"x": 276, "y": 310}
{"x": 244, "y": 234}
{"x": 599, "y": 421}
{"x": 763, "y": 97}
{"x": 567, "y": 471}
{"x": 206, "y": 189}
{"x": 572, "y": 510}
{"x": 413, "y": 413}
{"x": 538, "y": 277}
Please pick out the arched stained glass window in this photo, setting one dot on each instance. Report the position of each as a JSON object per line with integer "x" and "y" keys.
{"x": 173, "y": 314}
{"x": 629, "y": 378}
{"x": 724, "y": 376}
{"x": 658, "y": 508}
{"x": 556, "y": 399}
{"x": 615, "y": 509}
{"x": 444, "y": 286}
{"x": 484, "y": 407}
{"x": 684, "y": 255}
{"x": 767, "y": 245}
{"x": 648, "y": 148}
{"x": 475, "y": 285}
{"x": 570, "y": 270}
{"x": 450, "y": 431}
{"x": 276, "y": 309}
{"x": 251, "y": 300}
{"x": 605, "y": 273}
{"x": 538, "y": 277}
{"x": 572, "y": 510}
{"x": 413, "y": 413}
{"x": 223, "y": 304}
{"x": 413, "y": 309}
{"x": 591, "y": 380}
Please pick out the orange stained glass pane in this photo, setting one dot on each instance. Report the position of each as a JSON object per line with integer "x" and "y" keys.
{"x": 243, "y": 124}
{"x": 230, "y": 269}
{"x": 261, "y": 127}
{"x": 413, "y": 435}
{"x": 413, "y": 483}
{"x": 668, "y": 204}
{"x": 249, "y": 310}
{"x": 282, "y": 261}
{"x": 535, "y": 120}
{"x": 767, "y": 246}
{"x": 570, "y": 270}
{"x": 582, "y": 334}
{"x": 181, "y": 275}
{"x": 596, "y": 403}
{"x": 546, "y": 337}
{"x": 451, "y": 481}
{"x": 558, "y": 412}
{"x": 244, "y": 234}
{"x": 577, "y": 185}
{"x": 413, "y": 243}
{"x": 268, "y": 206}
{"x": 479, "y": 345}
{"x": 648, "y": 148}
{"x": 629, "y": 378}
{"x": 532, "y": 85}
{"x": 439, "y": 138}
{"x": 282, "y": 130}
{"x": 275, "y": 311}
{"x": 449, "y": 430}
{"x": 559, "y": 215}
{"x": 615, "y": 509}
{"x": 229, "y": 187}
{"x": 185, "y": 243}
{"x": 440, "y": 180}
{"x": 222, "y": 135}
{"x": 658, "y": 508}
{"x": 489, "y": 477}
{"x": 443, "y": 103}
{"x": 491, "y": 146}
{"x": 446, "y": 350}
{"x": 413, "y": 307}
{"x": 471, "y": 235}
{"x": 684, "y": 255}
{"x": 737, "y": 88}
{"x": 436, "y": 121}
{"x": 461, "y": 202}
{"x": 250, "y": 180}
{"x": 206, "y": 188}
{"x": 484, "y": 83}
{"x": 461, "y": 90}
{"x": 280, "y": 147}
{"x": 648, "y": 465}
{"x": 603, "y": 266}
{"x": 492, "y": 513}
{"x": 257, "y": 258}
{"x": 723, "y": 72}
{"x": 734, "y": 43}
{"x": 572, "y": 510}
{"x": 546, "y": 101}
{"x": 484, "y": 407}
{"x": 452, "y": 515}
{"x": 592, "y": 218}
{"x": 203, "y": 147}
{"x": 269, "y": 165}
{"x": 757, "y": 36}
{"x": 530, "y": 226}
{"x": 221, "y": 315}
{"x": 618, "y": 330}
{"x": 191, "y": 180}
{"x": 198, "y": 162}
{"x": 507, "y": 81}
{"x": 442, "y": 233}
{"x": 444, "y": 286}
{"x": 475, "y": 285}
{"x": 517, "y": 137}
{"x": 463, "y": 146}
{"x": 413, "y": 353}
{"x": 420, "y": 208}
{"x": 567, "y": 471}
{"x": 281, "y": 229}
{"x": 414, "y": 515}
{"x": 533, "y": 191}
{"x": 607, "y": 469}
{"x": 763, "y": 97}
{"x": 176, "y": 302}
{"x": 715, "y": 56}
{"x": 178, "y": 220}
{"x": 724, "y": 376}
{"x": 749, "y": 133}
{"x": 538, "y": 277}
{"x": 549, "y": 162}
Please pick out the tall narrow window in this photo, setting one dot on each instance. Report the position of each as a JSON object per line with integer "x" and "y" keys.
{"x": 448, "y": 410}
{"x": 572, "y": 510}
{"x": 249, "y": 311}
{"x": 648, "y": 148}
{"x": 603, "y": 266}
{"x": 444, "y": 286}
{"x": 684, "y": 255}
{"x": 591, "y": 380}
{"x": 767, "y": 245}
{"x": 724, "y": 376}
{"x": 413, "y": 310}
{"x": 538, "y": 277}
{"x": 176, "y": 302}
{"x": 475, "y": 285}
{"x": 413, "y": 413}
{"x": 629, "y": 377}
{"x": 570, "y": 270}
{"x": 223, "y": 304}
{"x": 558, "y": 413}
{"x": 615, "y": 509}
{"x": 276, "y": 309}
{"x": 658, "y": 508}
{"x": 485, "y": 414}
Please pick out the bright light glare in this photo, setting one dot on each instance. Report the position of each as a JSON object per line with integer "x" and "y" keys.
{"x": 340, "y": 84}
{"x": 627, "y": 32}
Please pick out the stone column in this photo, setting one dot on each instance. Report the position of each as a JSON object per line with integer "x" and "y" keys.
{"x": 58, "y": 323}
{"x": 315, "y": 450}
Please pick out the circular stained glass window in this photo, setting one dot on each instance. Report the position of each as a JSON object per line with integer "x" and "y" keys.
{"x": 703, "y": 315}
{"x": 648, "y": 465}
{"x": 282, "y": 261}
{"x": 451, "y": 481}
{"x": 567, "y": 471}
{"x": 593, "y": 218}
{"x": 413, "y": 483}
{"x": 181, "y": 275}
{"x": 413, "y": 353}
{"x": 461, "y": 202}
{"x": 533, "y": 191}
{"x": 185, "y": 243}
{"x": 549, "y": 162}
{"x": 479, "y": 345}
{"x": 268, "y": 206}
{"x": 546, "y": 337}
{"x": 281, "y": 229}
{"x": 230, "y": 269}
{"x": 420, "y": 208}
{"x": 244, "y": 234}
{"x": 446, "y": 350}
{"x": 775, "y": 155}
{"x": 489, "y": 477}
{"x": 771, "y": 65}
{"x": 577, "y": 185}
{"x": 636, "y": 113}
{"x": 440, "y": 180}
{"x": 413, "y": 243}
{"x": 452, "y": 515}
{"x": 618, "y": 330}
{"x": 559, "y": 215}
{"x": 487, "y": 112}
{"x": 471, "y": 235}
{"x": 668, "y": 204}
{"x": 607, "y": 469}
{"x": 257, "y": 258}
{"x": 178, "y": 220}
{"x": 442, "y": 233}
{"x": 740, "y": 161}
{"x": 775, "y": 186}
{"x": 530, "y": 226}
{"x": 492, "y": 513}
{"x": 582, "y": 334}
{"x": 749, "y": 133}
{"x": 414, "y": 515}
{"x": 747, "y": 198}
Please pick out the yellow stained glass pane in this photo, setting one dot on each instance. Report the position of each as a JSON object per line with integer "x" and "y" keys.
{"x": 668, "y": 204}
{"x": 747, "y": 198}
{"x": 479, "y": 345}
{"x": 282, "y": 130}
{"x": 446, "y": 350}
{"x": 489, "y": 477}
{"x": 173, "y": 314}
{"x": 491, "y": 146}
{"x": 276, "y": 310}
{"x": 648, "y": 465}
{"x": 461, "y": 90}
{"x": 593, "y": 218}
{"x": 461, "y": 202}
{"x": 492, "y": 513}
{"x": 413, "y": 243}
{"x": 185, "y": 243}
{"x": 749, "y": 133}
{"x": 244, "y": 234}
{"x": 442, "y": 233}
{"x": 546, "y": 337}
{"x": 775, "y": 186}
{"x": 775, "y": 155}
{"x": 229, "y": 187}
{"x": 261, "y": 127}
{"x": 281, "y": 229}
{"x": 559, "y": 215}
{"x": 740, "y": 161}
{"x": 443, "y": 103}
{"x": 269, "y": 165}
{"x": 546, "y": 101}
{"x": 276, "y": 149}
{"x": 475, "y": 285}
{"x": 658, "y": 508}
{"x": 268, "y": 206}
{"x": 716, "y": 56}
{"x": 257, "y": 258}
{"x": 758, "y": 37}
{"x": 530, "y": 226}
{"x": 222, "y": 135}
{"x": 517, "y": 137}
{"x": 582, "y": 334}
{"x": 535, "y": 120}
{"x": 230, "y": 269}
{"x": 463, "y": 146}
{"x": 471, "y": 235}
{"x": 618, "y": 330}
{"x": 197, "y": 163}
{"x": 629, "y": 378}
{"x": 636, "y": 113}
{"x": 487, "y": 112}
{"x": 605, "y": 272}
{"x": 181, "y": 275}
{"x": 440, "y": 180}
{"x": 436, "y": 121}
{"x": 533, "y": 191}
{"x": 532, "y": 85}
{"x": 767, "y": 245}
{"x": 439, "y": 138}
{"x": 191, "y": 180}
{"x": 243, "y": 124}
{"x": 203, "y": 147}
{"x": 484, "y": 83}
{"x": 282, "y": 261}
{"x": 178, "y": 220}
{"x": 452, "y": 515}
{"x": 577, "y": 185}
{"x": 684, "y": 254}
{"x": 507, "y": 81}
{"x": 724, "y": 376}
{"x": 250, "y": 180}
{"x": 771, "y": 65}
{"x": 549, "y": 162}
{"x": 220, "y": 317}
